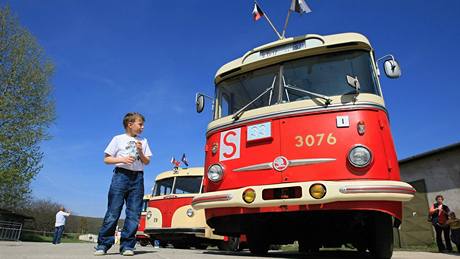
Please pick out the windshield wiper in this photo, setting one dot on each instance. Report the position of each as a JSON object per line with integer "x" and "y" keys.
{"x": 240, "y": 111}
{"x": 327, "y": 99}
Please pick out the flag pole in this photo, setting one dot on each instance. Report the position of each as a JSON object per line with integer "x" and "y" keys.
{"x": 286, "y": 23}
{"x": 270, "y": 22}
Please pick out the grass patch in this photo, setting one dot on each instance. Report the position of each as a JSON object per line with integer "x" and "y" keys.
{"x": 290, "y": 248}
{"x": 428, "y": 248}
{"x": 33, "y": 237}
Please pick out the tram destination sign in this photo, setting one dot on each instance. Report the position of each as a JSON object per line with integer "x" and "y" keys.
{"x": 284, "y": 49}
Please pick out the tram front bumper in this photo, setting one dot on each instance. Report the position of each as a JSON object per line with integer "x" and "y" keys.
{"x": 335, "y": 191}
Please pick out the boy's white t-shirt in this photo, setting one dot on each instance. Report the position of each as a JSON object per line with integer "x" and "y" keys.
{"x": 60, "y": 218}
{"x": 124, "y": 145}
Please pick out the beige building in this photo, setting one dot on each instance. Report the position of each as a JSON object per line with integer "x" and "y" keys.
{"x": 431, "y": 173}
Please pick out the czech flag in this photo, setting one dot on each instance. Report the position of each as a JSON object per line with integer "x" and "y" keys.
{"x": 299, "y": 6}
{"x": 257, "y": 12}
{"x": 184, "y": 160}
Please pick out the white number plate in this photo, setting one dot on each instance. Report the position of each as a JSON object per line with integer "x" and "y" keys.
{"x": 259, "y": 131}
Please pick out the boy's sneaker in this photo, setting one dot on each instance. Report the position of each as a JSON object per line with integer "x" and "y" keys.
{"x": 128, "y": 252}
{"x": 99, "y": 252}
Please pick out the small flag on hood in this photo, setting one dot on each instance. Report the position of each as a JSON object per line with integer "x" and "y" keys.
{"x": 184, "y": 160}
{"x": 257, "y": 13}
{"x": 300, "y": 6}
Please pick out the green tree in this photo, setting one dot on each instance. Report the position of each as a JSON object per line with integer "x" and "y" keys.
{"x": 26, "y": 109}
{"x": 44, "y": 214}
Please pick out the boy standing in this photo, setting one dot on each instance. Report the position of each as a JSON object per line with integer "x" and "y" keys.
{"x": 129, "y": 153}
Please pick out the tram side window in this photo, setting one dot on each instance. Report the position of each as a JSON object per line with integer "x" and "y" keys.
{"x": 187, "y": 184}
{"x": 164, "y": 187}
{"x": 225, "y": 105}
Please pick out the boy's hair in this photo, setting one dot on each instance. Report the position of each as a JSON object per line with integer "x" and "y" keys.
{"x": 131, "y": 117}
{"x": 451, "y": 213}
{"x": 439, "y": 196}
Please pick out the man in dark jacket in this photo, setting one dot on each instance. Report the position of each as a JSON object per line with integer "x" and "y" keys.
{"x": 439, "y": 213}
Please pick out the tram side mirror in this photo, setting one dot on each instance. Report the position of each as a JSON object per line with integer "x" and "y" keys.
{"x": 392, "y": 69}
{"x": 199, "y": 102}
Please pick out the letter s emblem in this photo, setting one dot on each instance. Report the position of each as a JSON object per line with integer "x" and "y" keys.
{"x": 230, "y": 144}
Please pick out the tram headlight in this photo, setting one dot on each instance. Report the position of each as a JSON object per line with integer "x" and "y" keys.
{"x": 149, "y": 214}
{"x": 360, "y": 156}
{"x": 190, "y": 212}
{"x": 215, "y": 173}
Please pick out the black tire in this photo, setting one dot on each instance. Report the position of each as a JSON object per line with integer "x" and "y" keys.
{"x": 144, "y": 242}
{"x": 232, "y": 244}
{"x": 257, "y": 244}
{"x": 382, "y": 237}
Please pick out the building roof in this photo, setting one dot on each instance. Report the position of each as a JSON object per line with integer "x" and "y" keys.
{"x": 429, "y": 153}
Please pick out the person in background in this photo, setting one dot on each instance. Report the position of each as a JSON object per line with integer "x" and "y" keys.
{"x": 439, "y": 212}
{"x": 454, "y": 224}
{"x": 59, "y": 225}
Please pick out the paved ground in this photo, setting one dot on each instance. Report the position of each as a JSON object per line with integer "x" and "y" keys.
{"x": 26, "y": 250}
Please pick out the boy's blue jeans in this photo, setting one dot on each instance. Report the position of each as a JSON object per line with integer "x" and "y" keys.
{"x": 127, "y": 186}
{"x": 58, "y": 234}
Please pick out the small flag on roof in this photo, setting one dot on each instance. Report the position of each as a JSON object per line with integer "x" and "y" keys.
{"x": 257, "y": 13}
{"x": 175, "y": 162}
{"x": 299, "y": 6}
{"x": 184, "y": 160}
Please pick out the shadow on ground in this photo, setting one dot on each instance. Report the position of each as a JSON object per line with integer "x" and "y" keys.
{"x": 281, "y": 254}
{"x": 135, "y": 253}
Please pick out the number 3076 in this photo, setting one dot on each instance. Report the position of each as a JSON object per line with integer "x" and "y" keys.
{"x": 315, "y": 140}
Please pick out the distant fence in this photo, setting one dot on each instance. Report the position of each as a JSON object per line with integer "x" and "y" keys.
{"x": 10, "y": 230}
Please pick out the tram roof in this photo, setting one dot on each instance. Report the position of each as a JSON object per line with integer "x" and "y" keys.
{"x": 278, "y": 51}
{"x": 147, "y": 196}
{"x": 192, "y": 171}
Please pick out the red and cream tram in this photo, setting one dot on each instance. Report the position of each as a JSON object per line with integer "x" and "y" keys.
{"x": 300, "y": 147}
{"x": 141, "y": 237}
{"x": 170, "y": 218}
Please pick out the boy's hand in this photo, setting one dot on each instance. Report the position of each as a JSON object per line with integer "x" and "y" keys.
{"x": 139, "y": 147}
{"x": 127, "y": 160}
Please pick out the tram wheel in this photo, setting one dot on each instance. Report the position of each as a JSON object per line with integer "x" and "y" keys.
{"x": 257, "y": 244}
{"x": 382, "y": 237}
{"x": 144, "y": 242}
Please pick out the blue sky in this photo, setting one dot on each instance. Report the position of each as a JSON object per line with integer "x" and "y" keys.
{"x": 112, "y": 57}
